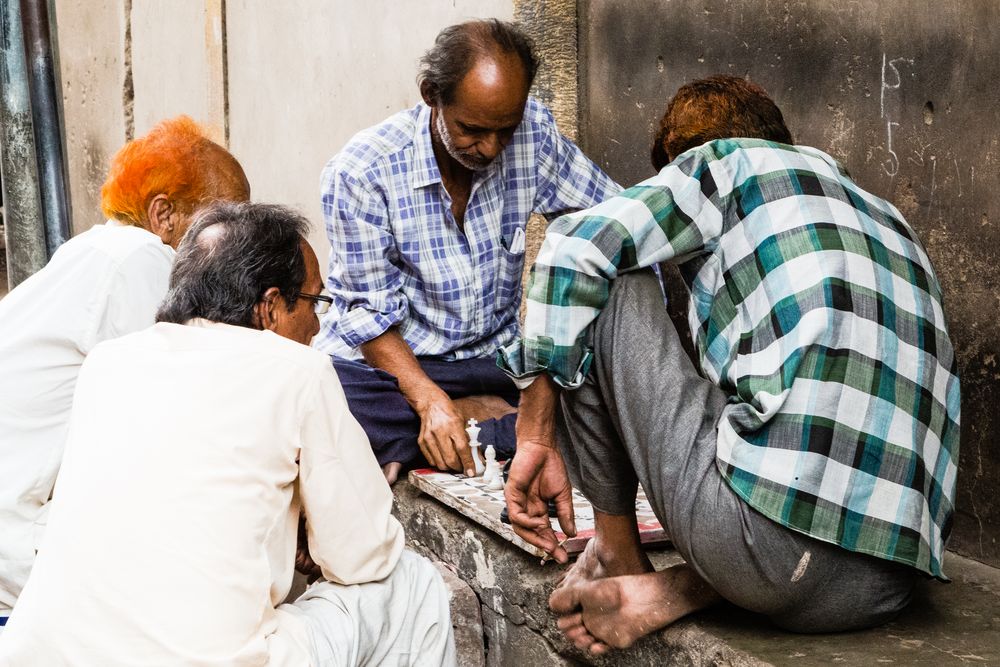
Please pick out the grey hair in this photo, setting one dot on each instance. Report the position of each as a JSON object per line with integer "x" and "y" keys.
{"x": 231, "y": 255}
{"x": 458, "y": 47}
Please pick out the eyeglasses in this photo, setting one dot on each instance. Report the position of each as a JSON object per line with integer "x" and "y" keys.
{"x": 321, "y": 302}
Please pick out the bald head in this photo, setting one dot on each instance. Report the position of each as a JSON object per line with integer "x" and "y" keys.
{"x": 460, "y": 48}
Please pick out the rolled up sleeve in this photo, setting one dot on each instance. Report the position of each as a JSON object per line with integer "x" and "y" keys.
{"x": 364, "y": 279}
{"x": 568, "y": 180}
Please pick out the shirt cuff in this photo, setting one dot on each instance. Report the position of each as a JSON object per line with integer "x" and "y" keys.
{"x": 525, "y": 359}
{"x": 360, "y": 325}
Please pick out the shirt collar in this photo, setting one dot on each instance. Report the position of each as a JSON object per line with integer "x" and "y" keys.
{"x": 426, "y": 171}
{"x": 425, "y": 166}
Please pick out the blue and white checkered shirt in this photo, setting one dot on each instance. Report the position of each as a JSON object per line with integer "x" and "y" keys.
{"x": 399, "y": 259}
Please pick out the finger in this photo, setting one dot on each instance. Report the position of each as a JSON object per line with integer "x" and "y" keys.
{"x": 449, "y": 450}
{"x": 522, "y": 517}
{"x": 537, "y": 538}
{"x": 434, "y": 447}
{"x": 464, "y": 453}
{"x": 517, "y": 509}
{"x": 565, "y": 513}
{"x": 427, "y": 450}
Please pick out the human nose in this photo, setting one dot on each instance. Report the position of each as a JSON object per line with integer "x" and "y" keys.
{"x": 490, "y": 146}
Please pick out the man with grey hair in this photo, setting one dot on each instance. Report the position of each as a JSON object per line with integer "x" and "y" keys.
{"x": 426, "y": 213}
{"x": 195, "y": 447}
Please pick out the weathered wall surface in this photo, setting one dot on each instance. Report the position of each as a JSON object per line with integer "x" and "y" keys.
{"x": 304, "y": 76}
{"x": 904, "y": 94}
{"x": 92, "y": 69}
{"x": 285, "y": 84}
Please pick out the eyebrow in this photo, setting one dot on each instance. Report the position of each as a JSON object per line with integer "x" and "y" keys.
{"x": 478, "y": 129}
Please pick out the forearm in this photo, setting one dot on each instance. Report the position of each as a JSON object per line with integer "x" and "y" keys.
{"x": 536, "y": 415}
{"x": 390, "y": 353}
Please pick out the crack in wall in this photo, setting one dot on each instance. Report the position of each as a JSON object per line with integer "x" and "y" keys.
{"x": 128, "y": 87}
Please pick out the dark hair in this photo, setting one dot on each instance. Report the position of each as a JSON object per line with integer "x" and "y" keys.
{"x": 230, "y": 256}
{"x": 457, "y": 49}
{"x": 719, "y": 107}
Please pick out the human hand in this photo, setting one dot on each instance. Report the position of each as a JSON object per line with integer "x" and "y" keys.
{"x": 537, "y": 475}
{"x": 304, "y": 564}
{"x": 443, "y": 440}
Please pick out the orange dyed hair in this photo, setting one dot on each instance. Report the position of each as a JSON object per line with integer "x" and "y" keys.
{"x": 174, "y": 159}
{"x": 719, "y": 107}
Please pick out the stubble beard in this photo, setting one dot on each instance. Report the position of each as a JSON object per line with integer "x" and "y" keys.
{"x": 466, "y": 159}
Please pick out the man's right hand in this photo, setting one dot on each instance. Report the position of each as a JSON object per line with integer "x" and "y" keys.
{"x": 443, "y": 439}
{"x": 536, "y": 476}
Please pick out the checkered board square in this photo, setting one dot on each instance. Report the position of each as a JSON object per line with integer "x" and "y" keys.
{"x": 470, "y": 497}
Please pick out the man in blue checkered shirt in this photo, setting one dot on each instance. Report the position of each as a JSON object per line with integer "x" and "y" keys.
{"x": 426, "y": 216}
{"x": 806, "y": 468}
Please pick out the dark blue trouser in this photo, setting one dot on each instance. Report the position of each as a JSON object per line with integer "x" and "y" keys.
{"x": 392, "y": 426}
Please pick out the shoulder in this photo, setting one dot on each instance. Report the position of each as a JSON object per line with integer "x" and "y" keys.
{"x": 373, "y": 146}
{"x": 123, "y": 244}
{"x": 536, "y": 114}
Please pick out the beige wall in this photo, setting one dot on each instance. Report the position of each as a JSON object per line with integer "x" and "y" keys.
{"x": 291, "y": 81}
{"x": 91, "y": 57}
{"x": 304, "y": 76}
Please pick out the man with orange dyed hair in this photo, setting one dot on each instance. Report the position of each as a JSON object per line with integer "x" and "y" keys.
{"x": 102, "y": 284}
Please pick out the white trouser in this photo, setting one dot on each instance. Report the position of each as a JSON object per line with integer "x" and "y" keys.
{"x": 402, "y": 620}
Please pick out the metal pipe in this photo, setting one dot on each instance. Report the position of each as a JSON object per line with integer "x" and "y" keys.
{"x": 23, "y": 226}
{"x": 47, "y": 122}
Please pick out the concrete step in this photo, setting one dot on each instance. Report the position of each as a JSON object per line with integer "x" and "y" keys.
{"x": 957, "y": 623}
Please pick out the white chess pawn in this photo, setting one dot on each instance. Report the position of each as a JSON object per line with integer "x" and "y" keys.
{"x": 474, "y": 444}
{"x": 491, "y": 464}
{"x": 493, "y": 476}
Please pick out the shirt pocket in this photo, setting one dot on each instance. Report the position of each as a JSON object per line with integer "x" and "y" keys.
{"x": 508, "y": 282}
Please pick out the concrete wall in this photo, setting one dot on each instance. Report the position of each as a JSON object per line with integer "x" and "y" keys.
{"x": 304, "y": 76}
{"x": 904, "y": 94}
{"x": 92, "y": 68}
{"x": 285, "y": 84}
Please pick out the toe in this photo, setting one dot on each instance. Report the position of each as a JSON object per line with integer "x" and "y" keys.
{"x": 599, "y": 648}
{"x": 569, "y": 621}
{"x": 564, "y": 600}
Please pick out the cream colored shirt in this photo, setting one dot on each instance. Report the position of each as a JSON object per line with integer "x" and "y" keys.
{"x": 103, "y": 283}
{"x": 172, "y": 533}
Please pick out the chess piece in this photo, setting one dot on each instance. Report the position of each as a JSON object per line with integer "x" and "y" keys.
{"x": 493, "y": 476}
{"x": 474, "y": 444}
{"x": 491, "y": 469}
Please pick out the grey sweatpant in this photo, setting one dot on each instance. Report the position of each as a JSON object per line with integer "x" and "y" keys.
{"x": 645, "y": 415}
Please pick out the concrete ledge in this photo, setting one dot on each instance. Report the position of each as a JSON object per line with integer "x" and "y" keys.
{"x": 946, "y": 624}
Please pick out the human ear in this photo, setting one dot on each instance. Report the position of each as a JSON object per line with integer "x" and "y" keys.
{"x": 264, "y": 311}
{"x": 428, "y": 94}
{"x": 161, "y": 217}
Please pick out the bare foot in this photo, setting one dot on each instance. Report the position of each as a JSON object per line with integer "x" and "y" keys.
{"x": 391, "y": 471}
{"x": 483, "y": 407}
{"x": 616, "y": 611}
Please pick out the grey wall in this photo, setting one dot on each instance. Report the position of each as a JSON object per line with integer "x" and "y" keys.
{"x": 905, "y": 94}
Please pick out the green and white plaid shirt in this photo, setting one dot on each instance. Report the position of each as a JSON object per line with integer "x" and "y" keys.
{"x": 813, "y": 305}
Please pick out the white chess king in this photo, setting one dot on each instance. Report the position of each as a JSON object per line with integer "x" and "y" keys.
{"x": 473, "y": 430}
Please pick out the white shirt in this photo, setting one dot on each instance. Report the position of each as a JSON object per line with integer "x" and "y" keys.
{"x": 104, "y": 283}
{"x": 172, "y": 532}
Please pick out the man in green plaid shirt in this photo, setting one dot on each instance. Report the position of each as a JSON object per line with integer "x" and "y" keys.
{"x": 806, "y": 469}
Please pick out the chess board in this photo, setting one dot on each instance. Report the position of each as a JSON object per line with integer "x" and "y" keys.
{"x": 470, "y": 497}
